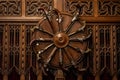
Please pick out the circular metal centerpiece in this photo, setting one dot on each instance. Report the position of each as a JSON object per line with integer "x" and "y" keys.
{"x": 60, "y": 39}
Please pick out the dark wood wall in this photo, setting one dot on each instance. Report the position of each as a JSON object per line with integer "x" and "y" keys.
{"x": 17, "y": 17}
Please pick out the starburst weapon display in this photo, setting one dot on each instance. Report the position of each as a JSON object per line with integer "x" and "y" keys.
{"x": 65, "y": 46}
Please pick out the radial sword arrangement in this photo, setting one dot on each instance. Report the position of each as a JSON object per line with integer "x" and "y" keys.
{"x": 59, "y": 39}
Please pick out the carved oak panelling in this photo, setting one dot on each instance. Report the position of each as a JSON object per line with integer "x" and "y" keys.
{"x": 14, "y": 47}
{"x": 118, "y": 46}
{"x": 109, "y": 8}
{"x": 30, "y": 56}
{"x": 10, "y": 7}
{"x": 33, "y": 6}
{"x": 104, "y": 36}
{"x": 1, "y": 45}
{"x": 101, "y": 43}
{"x": 86, "y": 7}
{"x": 90, "y": 45}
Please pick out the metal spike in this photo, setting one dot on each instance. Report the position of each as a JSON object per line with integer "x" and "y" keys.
{"x": 46, "y": 48}
{"x": 79, "y": 30}
{"x": 81, "y": 39}
{"x": 60, "y": 56}
{"x": 40, "y": 29}
{"x": 72, "y": 22}
{"x": 51, "y": 55}
{"x": 45, "y": 39}
{"x": 69, "y": 57}
{"x": 80, "y": 50}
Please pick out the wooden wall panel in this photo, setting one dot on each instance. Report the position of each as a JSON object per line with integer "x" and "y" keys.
{"x": 102, "y": 17}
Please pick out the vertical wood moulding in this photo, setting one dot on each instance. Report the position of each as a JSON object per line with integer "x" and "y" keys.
{"x": 97, "y": 77}
{"x": 95, "y": 3}
{"x": 4, "y": 32}
{"x": 97, "y": 47}
{"x": 96, "y": 53}
{"x": 114, "y": 77}
{"x": 59, "y": 4}
{"x": 80, "y": 77}
{"x": 23, "y": 8}
{"x": 113, "y": 50}
{"x": 39, "y": 76}
{"x": 6, "y": 46}
{"x": 3, "y": 47}
{"x": 111, "y": 46}
{"x": 22, "y": 53}
{"x": 5, "y": 51}
{"x": 22, "y": 77}
{"x": 5, "y": 77}
{"x": 22, "y": 49}
{"x": 104, "y": 46}
{"x": 114, "y": 47}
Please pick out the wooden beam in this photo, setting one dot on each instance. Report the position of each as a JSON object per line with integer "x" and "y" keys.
{"x": 60, "y": 5}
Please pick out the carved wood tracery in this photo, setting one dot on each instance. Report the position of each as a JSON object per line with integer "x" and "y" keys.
{"x": 10, "y": 8}
{"x": 21, "y": 17}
